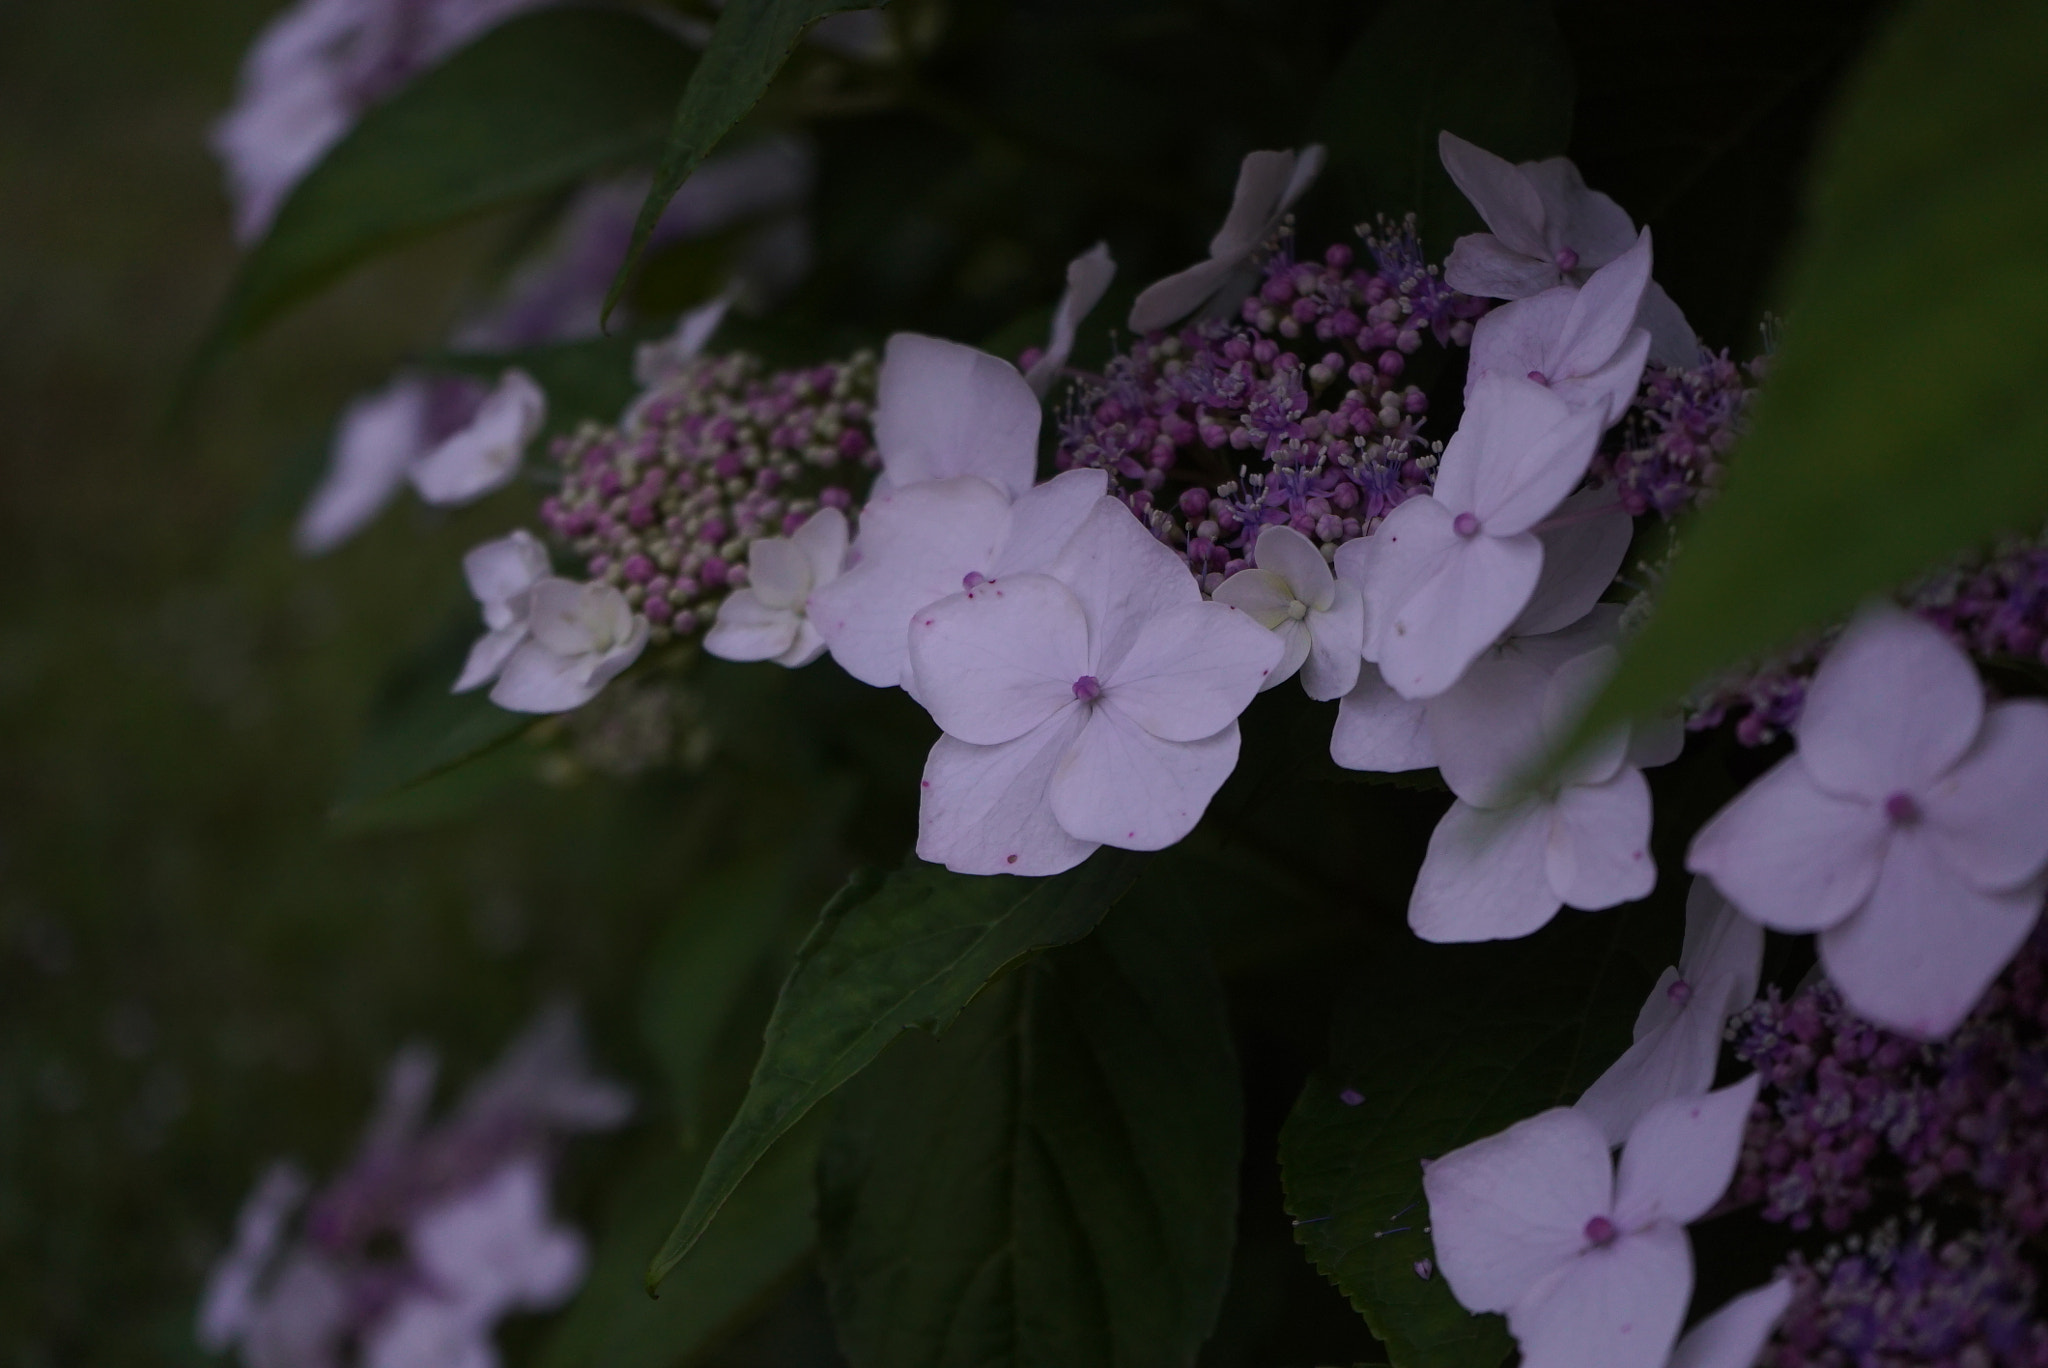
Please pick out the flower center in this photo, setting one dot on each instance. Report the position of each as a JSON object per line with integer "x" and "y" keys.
{"x": 1901, "y": 810}
{"x": 1600, "y": 1232}
{"x": 972, "y": 579}
{"x": 1087, "y": 688}
{"x": 1296, "y": 609}
{"x": 1466, "y": 525}
{"x": 1679, "y": 992}
{"x": 1567, "y": 259}
{"x": 1540, "y": 378}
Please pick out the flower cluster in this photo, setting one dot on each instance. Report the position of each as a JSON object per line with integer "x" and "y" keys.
{"x": 665, "y": 506}
{"x": 409, "y": 1257}
{"x": 1667, "y": 454}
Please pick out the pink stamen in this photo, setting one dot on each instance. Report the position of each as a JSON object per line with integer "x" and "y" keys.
{"x": 1679, "y": 992}
{"x": 1901, "y": 810}
{"x": 1567, "y": 259}
{"x": 1465, "y": 525}
{"x": 1600, "y": 1232}
{"x": 1087, "y": 688}
{"x": 972, "y": 579}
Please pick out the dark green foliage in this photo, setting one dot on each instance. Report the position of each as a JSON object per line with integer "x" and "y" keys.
{"x": 1053, "y": 1182}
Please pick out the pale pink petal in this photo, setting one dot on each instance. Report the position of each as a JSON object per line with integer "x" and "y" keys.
{"x": 424, "y": 1331}
{"x": 1483, "y": 877}
{"x": 499, "y": 571}
{"x": 822, "y": 539}
{"x": 537, "y": 680}
{"x": 1599, "y": 851}
{"x": 1617, "y": 1307}
{"x": 1165, "y": 302}
{"x": 1262, "y": 180}
{"x": 1573, "y": 686}
{"x": 1191, "y": 670}
{"x": 1516, "y": 338}
{"x": 1509, "y": 1211}
{"x": 1589, "y": 223}
{"x": 1893, "y": 706}
{"x": 572, "y": 619}
{"x": 1295, "y": 559}
{"x": 1466, "y": 592}
{"x": 1989, "y": 815}
{"x": 1601, "y": 626}
{"x": 1125, "y": 787}
{"x": 1336, "y": 635}
{"x": 1603, "y": 314}
{"x": 1380, "y": 731}
{"x": 1295, "y": 645}
{"x": 1721, "y": 942}
{"x": 1733, "y": 1336}
{"x": 1088, "y": 276}
{"x": 995, "y": 662}
{"x": 1920, "y": 953}
{"x": 1486, "y": 731}
{"x": 749, "y": 629}
{"x": 1790, "y": 855}
{"x": 1260, "y": 595}
{"x": 779, "y": 573}
{"x": 1672, "y": 340}
{"x": 1612, "y": 388}
{"x": 944, "y": 410}
{"x": 1124, "y": 576}
{"x": 1518, "y": 451}
{"x": 916, "y": 545}
{"x": 1501, "y": 193}
{"x": 379, "y": 436}
{"x": 1308, "y": 164}
{"x": 495, "y": 1248}
{"x": 807, "y": 647}
{"x": 488, "y": 656}
{"x": 486, "y": 454}
{"x": 985, "y": 810}
{"x": 1680, "y": 1157}
{"x": 1674, "y": 1059}
{"x": 1655, "y": 741}
{"x": 1481, "y": 264}
{"x": 1045, "y": 518}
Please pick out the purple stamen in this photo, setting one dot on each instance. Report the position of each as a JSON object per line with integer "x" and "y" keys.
{"x": 1465, "y": 525}
{"x": 1600, "y": 1232}
{"x": 1679, "y": 992}
{"x": 1567, "y": 259}
{"x": 1540, "y": 378}
{"x": 973, "y": 579}
{"x": 1087, "y": 688}
{"x": 1901, "y": 810}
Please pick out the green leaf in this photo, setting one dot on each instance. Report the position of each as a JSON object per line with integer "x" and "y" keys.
{"x": 1494, "y": 72}
{"x": 533, "y": 106}
{"x": 1904, "y": 419}
{"x": 1445, "y": 1045}
{"x": 908, "y": 950}
{"x": 740, "y": 1266}
{"x": 751, "y": 41}
{"x": 1055, "y": 1180}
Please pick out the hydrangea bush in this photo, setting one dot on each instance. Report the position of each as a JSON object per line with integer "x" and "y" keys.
{"x": 1322, "y": 579}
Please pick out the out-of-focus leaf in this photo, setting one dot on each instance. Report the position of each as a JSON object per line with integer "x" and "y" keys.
{"x": 1903, "y": 422}
{"x": 907, "y": 950}
{"x": 534, "y": 105}
{"x": 770, "y": 1234}
{"x": 1055, "y": 1180}
{"x": 1494, "y": 72}
{"x": 1443, "y": 1045}
{"x": 751, "y": 41}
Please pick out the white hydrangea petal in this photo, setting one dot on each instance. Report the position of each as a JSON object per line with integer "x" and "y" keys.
{"x": 485, "y": 455}
{"x": 499, "y": 571}
{"x": 487, "y": 656}
{"x": 1655, "y": 741}
{"x": 1601, "y": 626}
{"x": 1482, "y": 265}
{"x": 1124, "y": 577}
{"x": 1088, "y": 277}
{"x": 1893, "y": 706}
{"x": 944, "y": 410}
{"x": 1191, "y": 670}
{"x": 1674, "y": 1059}
{"x": 1789, "y": 854}
{"x": 1586, "y": 221}
{"x": 1504, "y": 197}
{"x": 1572, "y": 688}
{"x": 749, "y": 629}
{"x": 915, "y": 546}
{"x": 822, "y": 539}
{"x": 1518, "y": 451}
{"x": 536, "y": 680}
{"x": 1618, "y": 1307}
{"x": 1487, "y": 729}
{"x": 1466, "y": 591}
{"x": 424, "y": 1331}
{"x": 1672, "y": 340}
{"x": 377, "y": 439}
{"x": 1045, "y": 518}
{"x": 1336, "y": 636}
{"x": 1298, "y": 561}
{"x": 1123, "y": 786}
{"x": 1721, "y": 941}
{"x": 985, "y": 809}
{"x": 1582, "y": 554}
{"x": 495, "y": 1247}
{"x": 1599, "y": 849}
{"x": 1483, "y": 877}
{"x": 1509, "y": 1211}
{"x": 995, "y": 662}
{"x": 779, "y": 573}
{"x": 1516, "y": 338}
{"x": 807, "y": 646}
{"x": 1603, "y": 313}
{"x": 229, "y": 1304}
{"x": 1261, "y": 595}
{"x": 1262, "y": 183}
{"x": 1734, "y": 1335}
{"x": 1921, "y": 951}
{"x": 1680, "y": 1157}
{"x": 1989, "y": 815}
{"x": 654, "y": 362}
{"x": 574, "y": 619}
{"x": 1379, "y": 731}
{"x": 1295, "y": 648}
{"x": 1165, "y": 302}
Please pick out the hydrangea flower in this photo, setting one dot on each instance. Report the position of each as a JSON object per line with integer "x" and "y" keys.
{"x": 1453, "y": 568}
{"x": 501, "y": 575}
{"x": 580, "y": 637}
{"x": 1734, "y": 1335}
{"x": 1319, "y": 618}
{"x": 1088, "y": 276}
{"x": 1579, "y": 341}
{"x": 486, "y": 453}
{"x": 766, "y": 619}
{"x": 1268, "y": 184}
{"x": 377, "y": 440}
{"x": 1094, "y": 704}
{"x": 944, "y": 410}
{"x": 1548, "y": 230}
{"x": 1590, "y": 1266}
{"x": 1909, "y": 828}
{"x": 1678, "y": 1032}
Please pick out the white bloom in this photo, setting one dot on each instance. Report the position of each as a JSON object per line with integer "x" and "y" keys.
{"x": 1584, "y": 543}
{"x": 1581, "y": 341}
{"x": 1319, "y": 618}
{"x": 231, "y": 1304}
{"x": 1454, "y": 568}
{"x": 767, "y": 619}
{"x": 580, "y": 637}
{"x": 1678, "y": 1032}
{"x": 484, "y": 455}
{"x": 1092, "y": 705}
{"x": 1268, "y": 184}
{"x": 944, "y": 410}
{"x": 1088, "y": 275}
{"x": 1733, "y": 1336}
{"x": 1591, "y": 1268}
{"x": 1501, "y": 862}
{"x": 378, "y": 438}
{"x": 1548, "y": 230}
{"x": 501, "y": 575}
{"x": 1910, "y": 828}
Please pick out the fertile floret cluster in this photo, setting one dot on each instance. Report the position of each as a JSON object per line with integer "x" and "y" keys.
{"x": 721, "y": 453}
{"x": 1666, "y": 456}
